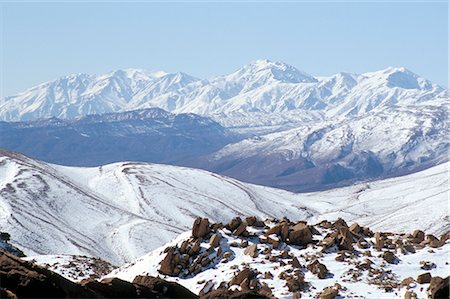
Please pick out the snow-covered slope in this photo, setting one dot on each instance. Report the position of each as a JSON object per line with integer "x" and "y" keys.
{"x": 121, "y": 211}
{"x": 262, "y": 86}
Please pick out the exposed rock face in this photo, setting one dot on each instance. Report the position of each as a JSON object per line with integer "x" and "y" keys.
{"x": 365, "y": 255}
{"x": 166, "y": 288}
{"x": 200, "y": 228}
{"x": 439, "y": 288}
{"x": 21, "y": 279}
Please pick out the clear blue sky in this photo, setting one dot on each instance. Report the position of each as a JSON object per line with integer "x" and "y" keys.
{"x": 42, "y": 41}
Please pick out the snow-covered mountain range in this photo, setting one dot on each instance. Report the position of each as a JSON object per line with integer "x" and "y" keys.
{"x": 121, "y": 211}
{"x": 262, "y": 86}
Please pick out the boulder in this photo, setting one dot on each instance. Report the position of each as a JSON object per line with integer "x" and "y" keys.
{"x": 245, "y": 273}
{"x": 355, "y": 229}
{"x": 329, "y": 293}
{"x": 418, "y": 236}
{"x": 234, "y": 223}
{"x": 240, "y": 229}
{"x": 389, "y": 257}
{"x": 300, "y": 235}
{"x": 214, "y": 241}
{"x": 424, "y": 278}
{"x": 345, "y": 239}
{"x": 296, "y": 283}
{"x": 319, "y": 269}
{"x": 168, "y": 264}
{"x": 251, "y": 250}
{"x": 439, "y": 288}
{"x": 200, "y": 228}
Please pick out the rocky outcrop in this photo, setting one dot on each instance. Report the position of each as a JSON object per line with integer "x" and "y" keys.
{"x": 164, "y": 287}
{"x": 21, "y": 279}
{"x": 293, "y": 249}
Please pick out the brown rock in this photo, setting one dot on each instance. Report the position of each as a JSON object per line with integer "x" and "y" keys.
{"x": 250, "y": 220}
{"x": 379, "y": 241}
{"x": 355, "y": 229}
{"x": 295, "y": 263}
{"x": 245, "y": 273}
{"x": 340, "y": 223}
{"x": 276, "y": 229}
{"x": 296, "y": 283}
{"x": 407, "y": 282}
{"x": 345, "y": 239}
{"x": 410, "y": 295}
{"x": 251, "y": 250}
{"x": 389, "y": 257}
{"x": 215, "y": 240}
{"x": 234, "y": 223}
{"x": 167, "y": 265}
{"x": 439, "y": 288}
{"x": 424, "y": 278}
{"x": 200, "y": 227}
{"x": 329, "y": 293}
{"x": 418, "y": 236}
{"x": 319, "y": 269}
{"x": 240, "y": 229}
{"x": 300, "y": 235}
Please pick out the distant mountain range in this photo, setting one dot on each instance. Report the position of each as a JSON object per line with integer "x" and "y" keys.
{"x": 262, "y": 86}
{"x": 151, "y": 135}
{"x": 267, "y": 123}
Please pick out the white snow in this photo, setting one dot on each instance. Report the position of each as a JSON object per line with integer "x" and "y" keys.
{"x": 121, "y": 211}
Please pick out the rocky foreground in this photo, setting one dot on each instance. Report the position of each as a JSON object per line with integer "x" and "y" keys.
{"x": 284, "y": 259}
{"x": 249, "y": 258}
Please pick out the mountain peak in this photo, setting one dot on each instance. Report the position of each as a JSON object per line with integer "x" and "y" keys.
{"x": 263, "y": 71}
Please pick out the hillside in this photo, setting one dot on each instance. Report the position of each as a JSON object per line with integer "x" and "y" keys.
{"x": 121, "y": 211}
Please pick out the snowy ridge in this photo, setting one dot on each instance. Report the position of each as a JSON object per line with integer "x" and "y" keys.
{"x": 262, "y": 86}
{"x": 121, "y": 211}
